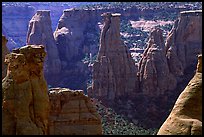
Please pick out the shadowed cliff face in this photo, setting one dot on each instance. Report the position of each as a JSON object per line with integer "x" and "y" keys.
{"x": 186, "y": 115}
{"x": 184, "y": 42}
{"x": 40, "y": 33}
{"x": 4, "y": 52}
{"x": 25, "y": 102}
{"x": 114, "y": 72}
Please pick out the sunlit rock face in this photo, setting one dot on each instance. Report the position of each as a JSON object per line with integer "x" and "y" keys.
{"x": 25, "y": 101}
{"x": 186, "y": 115}
{"x": 184, "y": 42}
{"x": 72, "y": 113}
{"x": 40, "y": 33}
{"x": 114, "y": 72}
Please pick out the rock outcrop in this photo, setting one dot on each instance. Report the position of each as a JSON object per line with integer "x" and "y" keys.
{"x": 184, "y": 42}
{"x": 5, "y": 51}
{"x": 25, "y": 101}
{"x": 154, "y": 75}
{"x": 40, "y": 33}
{"x": 186, "y": 115}
{"x": 72, "y": 113}
{"x": 114, "y": 72}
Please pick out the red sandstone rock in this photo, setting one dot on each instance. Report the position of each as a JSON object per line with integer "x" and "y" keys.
{"x": 72, "y": 113}
{"x": 154, "y": 75}
{"x": 184, "y": 42}
{"x": 114, "y": 72}
{"x": 25, "y": 102}
{"x": 186, "y": 115}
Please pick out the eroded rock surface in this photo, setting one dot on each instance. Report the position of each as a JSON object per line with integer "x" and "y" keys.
{"x": 72, "y": 113}
{"x": 184, "y": 42}
{"x": 25, "y": 102}
{"x": 154, "y": 75}
{"x": 114, "y": 72}
{"x": 4, "y": 52}
{"x": 40, "y": 33}
{"x": 186, "y": 115}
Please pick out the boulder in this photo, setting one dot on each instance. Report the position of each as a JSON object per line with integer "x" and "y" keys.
{"x": 186, "y": 115}
{"x": 72, "y": 113}
{"x": 25, "y": 102}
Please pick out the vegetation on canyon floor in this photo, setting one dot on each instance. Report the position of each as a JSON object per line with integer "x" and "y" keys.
{"x": 116, "y": 124}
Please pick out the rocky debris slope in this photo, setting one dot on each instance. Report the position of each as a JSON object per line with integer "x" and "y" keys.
{"x": 72, "y": 113}
{"x": 184, "y": 42}
{"x": 40, "y": 33}
{"x": 186, "y": 115}
{"x": 154, "y": 75}
{"x": 114, "y": 72}
{"x": 5, "y": 51}
{"x": 25, "y": 102}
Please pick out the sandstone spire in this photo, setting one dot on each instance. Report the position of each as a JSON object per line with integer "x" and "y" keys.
{"x": 154, "y": 75}
{"x": 114, "y": 72}
{"x": 40, "y": 33}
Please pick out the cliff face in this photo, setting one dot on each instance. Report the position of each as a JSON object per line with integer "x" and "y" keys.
{"x": 5, "y": 51}
{"x": 72, "y": 113}
{"x": 186, "y": 115}
{"x": 40, "y": 33}
{"x": 114, "y": 72}
{"x": 25, "y": 102}
{"x": 154, "y": 75}
{"x": 184, "y": 42}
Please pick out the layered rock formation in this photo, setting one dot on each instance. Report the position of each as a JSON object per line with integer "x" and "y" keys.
{"x": 114, "y": 72}
{"x": 40, "y": 33}
{"x": 186, "y": 115}
{"x": 5, "y": 51}
{"x": 154, "y": 75}
{"x": 184, "y": 42}
{"x": 72, "y": 113}
{"x": 25, "y": 102}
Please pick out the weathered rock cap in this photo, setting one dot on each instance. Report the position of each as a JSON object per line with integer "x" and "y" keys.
{"x": 43, "y": 12}
{"x": 199, "y": 65}
{"x": 191, "y": 13}
{"x": 109, "y": 14}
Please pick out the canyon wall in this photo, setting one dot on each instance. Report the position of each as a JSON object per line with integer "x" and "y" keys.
{"x": 184, "y": 42}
